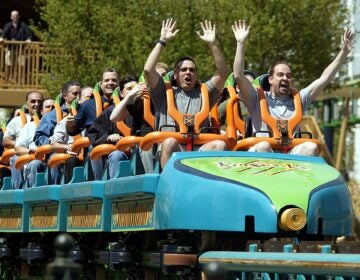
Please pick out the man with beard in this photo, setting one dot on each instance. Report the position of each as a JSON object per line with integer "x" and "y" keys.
{"x": 280, "y": 102}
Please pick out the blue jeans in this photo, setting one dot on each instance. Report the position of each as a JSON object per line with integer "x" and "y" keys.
{"x": 113, "y": 165}
{"x": 97, "y": 166}
{"x": 25, "y": 178}
{"x": 16, "y": 174}
{"x": 113, "y": 162}
{"x": 54, "y": 173}
{"x": 31, "y": 170}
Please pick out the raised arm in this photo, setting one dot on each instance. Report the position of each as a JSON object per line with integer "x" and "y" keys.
{"x": 208, "y": 36}
{"x": 348, "y": 40}
{"x": 241, "y": 32}
{"x": 120, "y": 112}
{"x": 167, "y": 33}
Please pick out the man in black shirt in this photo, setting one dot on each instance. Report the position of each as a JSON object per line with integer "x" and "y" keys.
{"x": 103, "y": 130}
{"x": 15, "y": 30}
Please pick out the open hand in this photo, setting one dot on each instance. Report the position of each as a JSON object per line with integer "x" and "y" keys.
{"x": 241, "y": 30}
{"x": 348, "y": 40}
{"x": 167, "y": 30}
{"x": 208, "y": 30}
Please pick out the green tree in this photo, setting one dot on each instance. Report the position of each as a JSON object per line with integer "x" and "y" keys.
{"x": 92, "y": 35}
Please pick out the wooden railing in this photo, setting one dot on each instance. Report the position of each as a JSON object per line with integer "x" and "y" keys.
{"x": 22, "y": 64}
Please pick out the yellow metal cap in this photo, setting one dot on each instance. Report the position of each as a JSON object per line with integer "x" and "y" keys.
{"x": 292, "y": 219}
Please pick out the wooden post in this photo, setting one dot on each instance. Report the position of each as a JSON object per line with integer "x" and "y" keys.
{"x": 342, "y": 136}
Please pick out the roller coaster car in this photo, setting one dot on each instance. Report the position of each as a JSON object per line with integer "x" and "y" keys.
{"x": 281, "y": 135}
{"x": 244, "y": 192}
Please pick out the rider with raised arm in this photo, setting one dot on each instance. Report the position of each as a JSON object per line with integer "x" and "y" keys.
{"x": 187, "y": 92}
{"x": 279, "y": 99}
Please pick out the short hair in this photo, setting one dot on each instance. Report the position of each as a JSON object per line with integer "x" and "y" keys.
{"x": 30, "y": 92}
{"x": 275, "y": 63}
{"x": 111, "y": 70}
{"x": 69, "y": 84}
{"x": 179, "y": 62}
{"x": 126, "y": 79}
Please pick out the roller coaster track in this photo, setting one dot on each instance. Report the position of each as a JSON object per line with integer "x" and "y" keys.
{"x": 307, "y": 260}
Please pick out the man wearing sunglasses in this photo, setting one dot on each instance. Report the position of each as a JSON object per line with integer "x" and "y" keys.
{"x": 33, "y": 106}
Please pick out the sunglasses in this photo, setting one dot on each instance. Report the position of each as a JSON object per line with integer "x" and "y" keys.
{"x": 33, "y": 101}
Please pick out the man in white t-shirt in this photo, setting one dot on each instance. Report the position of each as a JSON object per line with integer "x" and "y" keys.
{"x": 33, "y": 105}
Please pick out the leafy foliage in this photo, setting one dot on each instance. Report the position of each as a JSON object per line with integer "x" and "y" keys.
{"x": 92, "y": 35}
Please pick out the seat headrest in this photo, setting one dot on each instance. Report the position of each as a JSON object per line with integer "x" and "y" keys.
{"x": 230, "y": 81}
{"x": 262, "y": 81}
{"x": 250, "y": 73}
{"x": 24, "y": 109}
{"x": 116, "y": 93}
{"x": 142, "y": 78}
{"x": 75, "y": 105}
{"x": 97, "y": 88}
{"x": 59, "y": 99}
{"x": 169, "y": 78}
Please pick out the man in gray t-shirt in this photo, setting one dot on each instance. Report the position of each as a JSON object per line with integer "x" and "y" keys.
{"x": 279, "y": 100}
{"x": 187, "y": 92}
